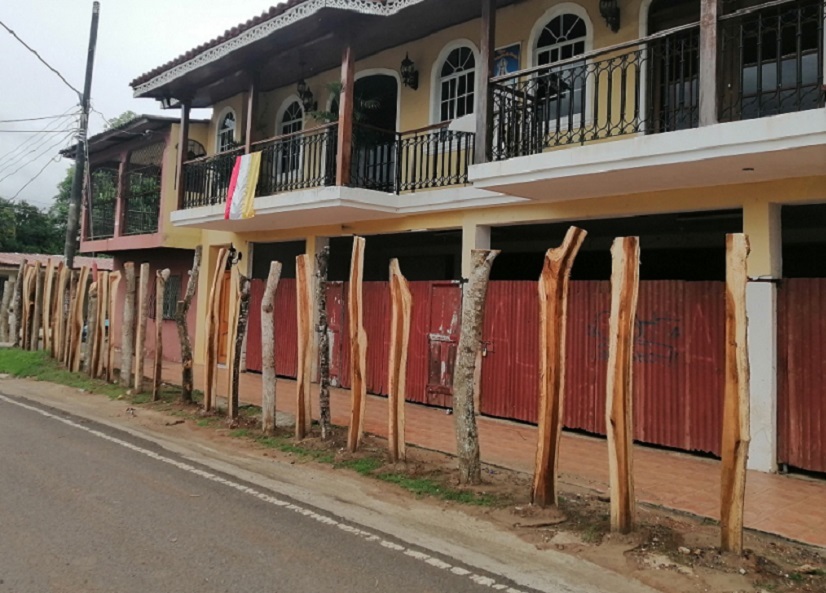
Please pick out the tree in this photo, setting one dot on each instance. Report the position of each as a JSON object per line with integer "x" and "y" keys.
{"x": 123, "y": 119}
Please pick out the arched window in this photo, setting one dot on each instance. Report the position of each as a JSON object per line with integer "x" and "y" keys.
{"x": 292, "y": 121}
{"x": 226, "y": 132}
{"x": 457, "y": 81}
{"x": 561, "y": 91}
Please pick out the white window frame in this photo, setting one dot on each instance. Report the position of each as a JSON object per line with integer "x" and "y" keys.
{"x": 219, "y": 129}
{"x": 436, "y": 77}
{"x": 279, "y": 131}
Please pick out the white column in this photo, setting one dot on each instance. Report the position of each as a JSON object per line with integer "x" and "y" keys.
{"x": 761, "y": 308}
{"x": 473, "y": 237}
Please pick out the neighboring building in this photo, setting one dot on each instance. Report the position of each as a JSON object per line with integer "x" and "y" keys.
{"x": 126, "y": 209}
{"x": 676, "y": 120}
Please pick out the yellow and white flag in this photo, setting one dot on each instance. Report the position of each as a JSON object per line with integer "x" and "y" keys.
{"x": 241, "y": 194}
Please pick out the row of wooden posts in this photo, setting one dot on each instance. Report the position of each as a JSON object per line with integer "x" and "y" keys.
{"x": 70, "y": 313}
{"x": 553, "y": 292}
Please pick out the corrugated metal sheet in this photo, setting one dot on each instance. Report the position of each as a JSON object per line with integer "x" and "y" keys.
{"x": 286, "y": 328}
{"x": 801, "y": 368}
{"x": 678, "y": 360}
{"x": 254, "y": 326}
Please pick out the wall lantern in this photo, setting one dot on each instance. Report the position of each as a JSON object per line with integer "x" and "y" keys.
{"x": 306, "y": 95}
{"x": 610, "y": 11}
{"x": 410, "y": 76}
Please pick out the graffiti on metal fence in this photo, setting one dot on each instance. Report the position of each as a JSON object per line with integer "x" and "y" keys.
{"x": 656, "y": 339}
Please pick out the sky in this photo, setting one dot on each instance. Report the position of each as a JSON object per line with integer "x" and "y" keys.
{"x": 134, "y": 37}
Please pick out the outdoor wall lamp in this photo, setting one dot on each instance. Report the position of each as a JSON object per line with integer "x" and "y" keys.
{"x": 306, "y": 96}
{"x": 610, "y": 11}
{"x": 410, "y": 76}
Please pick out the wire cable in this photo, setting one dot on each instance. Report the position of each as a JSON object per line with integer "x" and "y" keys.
{"x": 28, "y": 119}
{"x": 28, "y": 147}
{"x": 31, "y": 131}
{"x": 48, "y": 149}
{"x": 49, "y": 126}
{"x": 37, "y": 55}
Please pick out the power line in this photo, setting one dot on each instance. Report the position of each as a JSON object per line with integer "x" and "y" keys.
{"x": 37, "y": 55}
{"x": 38, "y": 157}
{"x": 49, "y": 126}
{"x": 31, "y": 145}
{"x": 31, "y": 131}
{"x": 26, "y": 119}
{"x": 49, "y": 162}
{"x": 24, "y": 156}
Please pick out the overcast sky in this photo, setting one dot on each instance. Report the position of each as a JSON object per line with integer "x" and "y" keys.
{"x": 134, "y": 36}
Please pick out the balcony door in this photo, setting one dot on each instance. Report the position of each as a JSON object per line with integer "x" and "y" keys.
{"x": 374, "y": 136}
{"x": 673, "y": 91}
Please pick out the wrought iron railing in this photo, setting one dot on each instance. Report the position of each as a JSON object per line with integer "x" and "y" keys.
{"x": 397, "y": 162}
{"x": 772, "y": 59}
{"x": 101, "y": 203}
{"x": 100, "y": 222}
{"x": 206, "y": 180}
{"x": 142, "y": 204}
{"x": 650, "y": 85}
{"x": 298, "y": 161}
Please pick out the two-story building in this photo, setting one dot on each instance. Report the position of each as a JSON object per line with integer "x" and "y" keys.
{"x": 432, "y": 127}
{"x": 130, "y": 193}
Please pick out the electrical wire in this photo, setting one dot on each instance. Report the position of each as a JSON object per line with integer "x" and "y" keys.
{"x": 27, "y": 119}
{"x": 34, "y": 150}
{"x": 47, "y": 150}
{"x": 37, "y": 55}
{"x": 49, "y": 162}
{"x": 31, "y": 131}
{"x": 29, "y": 147}
{"x": 47, "y": 127}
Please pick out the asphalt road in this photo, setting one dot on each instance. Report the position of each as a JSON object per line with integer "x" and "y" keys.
{"x": 87, "y": 508}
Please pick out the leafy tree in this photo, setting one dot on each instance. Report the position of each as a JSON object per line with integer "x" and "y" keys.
{"x": 123, "y": 118}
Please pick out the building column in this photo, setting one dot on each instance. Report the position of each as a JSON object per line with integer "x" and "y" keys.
{"x": 314, "y": 245}
{"x": 761, "y": 222}
{"x": 709, "y": 52}
{"x": 474, "y": 236}
{"x": 484, "y": 105}
{"x": 183, "y": 150}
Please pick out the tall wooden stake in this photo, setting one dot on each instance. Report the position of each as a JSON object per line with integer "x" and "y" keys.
{"x": 181, "y": 312}
{"x": 114, "y": 286}
{"x": 28, "y": 278}
{"x": 91, "y": 330}
{"x": 304, "y": 312}
{"x": 553, "y": 313}
{"x": 69, "y": 329}
{"x": 625, "y": 278}
{"x": 48, "y": 290}
{"x": 240, "y": 332}
{"x": 232, "y": 329}
{"x": 212, "y": 329}
{"x": 400, "y": 310}
{"x": 77, "y": 318}
{"x": 358, "y": 346}
{"x": 161, "y": 276}
{"x": 99, "y": 358}
{"x": 5, "y": 306}
{"x": 37, "y": 318}
{"x": 268, "y": 377}
{"x": 736, "y": 431}
{"x": 127, "y": 338}
{"x": 17, "y": 304}
{"x": 140, "y": 334}
{"x": 322, "y": 259}
{"x": 60, "y": 312}
{"x": 464, "y": 374}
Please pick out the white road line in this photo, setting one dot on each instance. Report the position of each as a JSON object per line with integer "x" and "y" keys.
{"x": 366, "y": 535}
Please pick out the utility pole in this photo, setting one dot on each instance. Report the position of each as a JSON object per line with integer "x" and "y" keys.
{"x": 80, "y": 151}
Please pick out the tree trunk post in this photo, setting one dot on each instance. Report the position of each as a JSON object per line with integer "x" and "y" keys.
{"x": 48, "y": 289}
{"x": 114, "y": 287}
{"x": 181, "y": 312}
{"x": 58, "y": 317}
{"x": 304, "y": 312}
{"x": 28, "y": 277}
{"x": 69, "y": 326}
{"x": 268, "y": 378}
{"x": 91, "y": 330}
{"x": 78, "y": 318}
{"x": 161, "y": 276}
{"x": 5, "y": 315}
{"x": 736, "y": 411}
{"x": 127, "y": 338}
{"x": 17, "y": 304}
{"x": 212, "y": 330}
{"x": 553, "y": 314}
{"x": 464, "y": 412}
{"x": 325, "y": 418}
{"x": 232, "y": 319}
{"x": 140, "y": 333}
{"x": 358, "y": 346}
{"x": 37, "y": 320}
{"x": 619, "y": 418}
{"x": 240, "y": 331}
{"x": 401, "y": 303}
{"x": 99, "y": 356}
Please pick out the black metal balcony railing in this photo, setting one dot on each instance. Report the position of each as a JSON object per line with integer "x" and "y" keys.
{"x": 598, "y": 95}
{"x": 142, "y": 205}
{"x": 298, "y": 161}
{"x": 398, "y": 162}
{"x": 772, "y": 59}
{"x": 206, "y": 180}
{"x": 100, "y": 213}
{"x": 100, "y": 224}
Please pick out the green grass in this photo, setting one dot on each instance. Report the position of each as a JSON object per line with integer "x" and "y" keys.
{"x": 364, "y": 466}
{"x": 428, "y": 487}
{"x": 286, "y": 446}
{"x": 240, "y": 433}
{"x": 207, "y": 422}
{"x": 38, "y": 365}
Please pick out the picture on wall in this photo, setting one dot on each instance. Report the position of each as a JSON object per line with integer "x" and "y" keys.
{"x": 506, "y": 59}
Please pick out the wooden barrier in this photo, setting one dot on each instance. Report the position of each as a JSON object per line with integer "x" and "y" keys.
{"x": 114, "y": 285}
{"x": 127, "y": 328}
{"x": 400, "y": 311}
{"x": 268, "y": 377}
{"x": 304, "y": 308}
{"x": 358, "y": 347}
{"x": 161, "y": 276}
{"x": 213, "y": 303}
{"x": 48, "y": 295}
{"x": 140, "y": 333}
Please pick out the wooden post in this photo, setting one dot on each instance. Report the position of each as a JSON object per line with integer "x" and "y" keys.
{"x": 325, "y": 419}
{"x": 5, "y": 313}
{"x": 77, "y": 318}
{"x": 467, "y": 355}
{"x": 484, "y": 105}
{"x": 268, "y": 377}
{"x": 252, "y": 99}
{"x": 304, "y": 312}
{"x": 60, "y": 312}
{"x": 358, "y": 346}
{"x": 161, "y": 276}
{"x": 68, "y": 330}
{"x": 183, "y": 149}
{"x": 48, "y": 290}
{"x": 232, "y": 323}
{"x": 38, "y": 307}
{"x": 27, "y": 305}
{"x": 212, "y": 329}
{"x": 625, "y": 278}
{"x": 401, "y": 303}
{"x": 344, "y": 155}
{"x": 91, "y": 330}
{"x": 17, "y": 304}
{"x": 553, "y": 313}
{"x": 99, "y": 359}
{"x": 736, "y": 430}
{"x": 127, "y": 338}
{"x": 240, "y": 331}
{"x": 181, "y": 312}
{"x": 114, "y": 286}
{"x": 140, "y": 334}
{"x": 709, "y": 15}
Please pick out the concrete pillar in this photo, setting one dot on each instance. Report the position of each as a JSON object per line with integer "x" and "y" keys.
{"x": 314, "y": 245}
{"x": 761, "y": 222}
{"x": 474, "y": 236}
